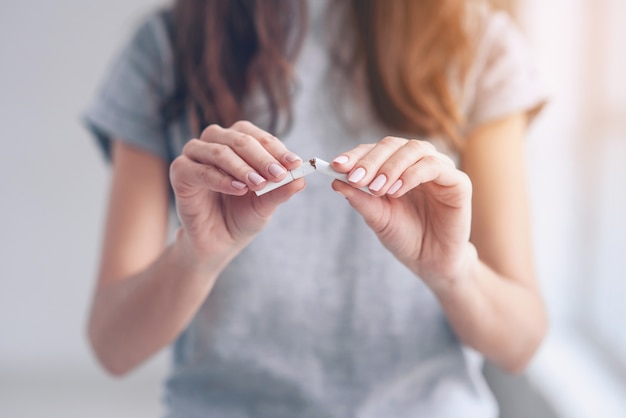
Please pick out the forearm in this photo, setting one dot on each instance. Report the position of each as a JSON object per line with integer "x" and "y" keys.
{"x": 134, "y": 317}
{"x": 496, "y": 315}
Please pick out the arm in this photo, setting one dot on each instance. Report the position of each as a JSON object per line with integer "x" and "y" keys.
{"x": 486, "y": 286}
{"x": 147, "y": 294}
{"x": 498, "y": 309}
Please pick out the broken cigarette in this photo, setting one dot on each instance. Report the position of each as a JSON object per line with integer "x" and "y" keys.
{"x": 296, "y": 173}
{"x": 325, "y": 168}
{"x": 311, "y": 166}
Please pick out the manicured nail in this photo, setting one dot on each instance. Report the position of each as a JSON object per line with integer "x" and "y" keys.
{"x": 276, "y": 170}
{"x": 357, "y": 175}
{"x": 395, "y": 187}
{"x": 292, "y": 158}
{"x": 238, "y": 185}
{"x": 342, "y": 159}
{"x": 378, "y": 183}
{"x": 255, "y": 178}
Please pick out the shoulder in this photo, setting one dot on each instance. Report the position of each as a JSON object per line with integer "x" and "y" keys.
{"x": 495, "y": 36}
{"x": 130, "y": 101}
{"x": 151, "y": 43}
{"x": 503, "y": 78}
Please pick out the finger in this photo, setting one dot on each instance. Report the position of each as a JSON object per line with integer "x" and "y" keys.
{"x": 366, "y": 170}
{"x": 436, "y": 170}
{"x": 272, "y": 144}
{"x": 371, "y": 208}
{"x": 346, "y": 161}
{"x": 387, "y": 178}
{"x": 187, "y": 176}
{"x": 380, "y": 167}
{"x": 266, "y": 204}
{"x": 224, "y": 159}
{"x": 249, "y": 149}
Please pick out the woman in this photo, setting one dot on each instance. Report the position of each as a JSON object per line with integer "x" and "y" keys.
{"x": 296, "y": 302}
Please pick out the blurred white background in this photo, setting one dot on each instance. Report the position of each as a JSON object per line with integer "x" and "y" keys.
{"x": 53, "y": 186}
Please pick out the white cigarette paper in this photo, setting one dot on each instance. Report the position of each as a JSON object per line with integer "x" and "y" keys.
{"x": 324, "y": 167}
{"x": 304, "y": 170}
{"x": 311, "y": 166}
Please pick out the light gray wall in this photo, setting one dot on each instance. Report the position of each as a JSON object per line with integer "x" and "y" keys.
{"x": 53, "y": 187}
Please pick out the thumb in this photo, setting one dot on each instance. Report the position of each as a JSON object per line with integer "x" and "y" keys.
{"x": 372, "y": 208}
{"x": 266, "y": 204}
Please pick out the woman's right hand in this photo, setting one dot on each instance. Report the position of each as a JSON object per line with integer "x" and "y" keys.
{"x": 213, "y": 179}
{"x": 146, "y": 294}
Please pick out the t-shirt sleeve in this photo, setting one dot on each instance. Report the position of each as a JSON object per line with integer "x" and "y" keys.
{"x": 505, "y": 79}
{"x": 128, "y": 105}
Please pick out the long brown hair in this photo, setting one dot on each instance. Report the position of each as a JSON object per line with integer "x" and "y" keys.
{"x": 224, "y": 49}
{"x": 408, "y": 49}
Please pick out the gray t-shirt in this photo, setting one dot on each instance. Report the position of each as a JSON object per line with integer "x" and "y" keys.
{"x": 315, "y": 318}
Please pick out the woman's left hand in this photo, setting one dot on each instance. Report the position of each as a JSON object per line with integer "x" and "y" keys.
{"x": 421, "y": 210}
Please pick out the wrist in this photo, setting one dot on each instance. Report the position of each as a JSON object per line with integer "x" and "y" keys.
{"x": 457, "y": 275}
{"x": 203, "y": 262}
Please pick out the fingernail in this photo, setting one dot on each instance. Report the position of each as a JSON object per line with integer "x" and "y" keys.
{"x": 292, "y": 158}
{"x": 238, "y": 185}
{"x": 378, "y": 182}
{"x": 395, "y": 187}
{"x": 255, "y": 178}
{"x": 357, "y": 175}
{"x": 276, "y": 170}
{"x": 342, "y": 159}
